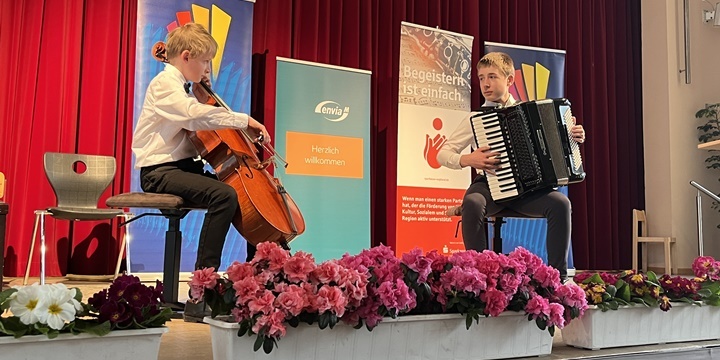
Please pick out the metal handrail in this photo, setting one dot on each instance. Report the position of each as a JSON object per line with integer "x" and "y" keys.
{"x": 698, "y": 203}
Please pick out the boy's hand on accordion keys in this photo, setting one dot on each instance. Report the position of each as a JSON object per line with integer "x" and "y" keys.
{"x": 483, "y": 159}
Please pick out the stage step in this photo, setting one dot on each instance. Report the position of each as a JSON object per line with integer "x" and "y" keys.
{"x": 700, "y": 350}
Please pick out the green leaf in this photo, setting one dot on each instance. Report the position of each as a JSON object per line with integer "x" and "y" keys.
{"x": 652, "y": 277}
{"x": 268, "y": 344}
{"x": 595, "y": 279}
{"x": 611, "y": 290}
{"x": 624, "y": 292}
{"x": 259, "y": 342}
{"x": 244, "y": 327}
{"x": 613, "y": 305}
{"x": 92, "y": 327}
{"x": 541, "y": 323}
{"x": 551, "y": 330}
{"x": 4, "y": 296}
{"x": 468, "y": 321}
{"x": 324, "y": 320}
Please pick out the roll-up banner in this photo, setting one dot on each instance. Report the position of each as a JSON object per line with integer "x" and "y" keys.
{"x": 322, "y": 126}
{"x": 434, "y": 96}
{"x": 230, "y": 24}
{"x": 539, "y": 74}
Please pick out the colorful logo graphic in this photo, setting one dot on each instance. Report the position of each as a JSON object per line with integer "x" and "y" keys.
{"x": 332, "y": 111}
{"x": 531, "y": 82}
{"x": 215, "y": 20}
{"x": 433, "y": 145}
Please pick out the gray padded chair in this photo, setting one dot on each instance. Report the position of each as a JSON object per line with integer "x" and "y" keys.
{"x": 77, "y": 196}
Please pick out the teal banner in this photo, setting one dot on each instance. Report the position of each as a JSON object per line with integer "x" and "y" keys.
{"x": 322, "y": 126}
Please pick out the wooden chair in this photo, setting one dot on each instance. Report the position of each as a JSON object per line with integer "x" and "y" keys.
{"x": 639, "y": 237}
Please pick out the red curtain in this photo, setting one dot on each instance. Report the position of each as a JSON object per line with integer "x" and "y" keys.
{"x": 602, "y": 39}
{"x": 67, "y": 87}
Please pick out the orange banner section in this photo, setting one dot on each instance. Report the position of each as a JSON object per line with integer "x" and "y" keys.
{"x": 421, "y": 220}
{"x": 324, "y": 155}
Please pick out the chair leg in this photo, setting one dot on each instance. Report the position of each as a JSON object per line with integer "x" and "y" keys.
{"x": 32, "y": 248}
{"x": 644, "y": 256}
{"x": 124, "y": 245}
{"x": 668, "y": 263}
{"x": 635, "y": 254}
{"x": 42, "y": 249}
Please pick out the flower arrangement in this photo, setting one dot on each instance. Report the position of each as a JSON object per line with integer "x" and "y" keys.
{"x": 609, "y": 291}
{"x": 52, "y": 309}
{"x": 277, "y": 289}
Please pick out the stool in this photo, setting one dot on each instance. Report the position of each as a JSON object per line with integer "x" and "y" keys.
{"x": 639, "y": 237}
{"x": 172, "y": 208}
{"x": 496, "y": 219}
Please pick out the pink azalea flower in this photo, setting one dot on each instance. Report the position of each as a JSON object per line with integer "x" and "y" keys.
{"x": 298, "y": 266}
{"x": 262, "y": 304}
{"x": 202, "y": 279}
{"x": 556, "y": 315}
{"x": 237, "y": 271}
{"x": 547, "y": 276}
{"x": 246, "y": 289}
{"x": 538, "y": 306}
{"x": 291, "y": 301}
{"x": 496, "y": 302}
{"x": 327, "y": 272}
{"x": 531, "y": 260}
{"x": 277, "y": 258}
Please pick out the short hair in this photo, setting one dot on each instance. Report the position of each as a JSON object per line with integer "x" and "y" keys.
{"x": 500, "y": 60}
{"x": 193, "y": 37}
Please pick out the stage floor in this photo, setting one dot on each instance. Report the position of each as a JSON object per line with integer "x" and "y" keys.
{"x": 192, "y": 341}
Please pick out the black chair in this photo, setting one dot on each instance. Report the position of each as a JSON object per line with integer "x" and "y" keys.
{"x": 497, "y": 220}
{"x": 77, "y": 191}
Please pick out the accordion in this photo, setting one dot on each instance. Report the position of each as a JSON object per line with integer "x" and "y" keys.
{"x": 536, "y": 147}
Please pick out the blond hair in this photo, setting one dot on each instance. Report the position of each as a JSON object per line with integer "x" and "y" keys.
{"x": 500, "y": 60}
{"x": 192, "y": 37}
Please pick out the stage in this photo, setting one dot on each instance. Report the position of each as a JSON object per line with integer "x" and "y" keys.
{"x": 192, "y": 341}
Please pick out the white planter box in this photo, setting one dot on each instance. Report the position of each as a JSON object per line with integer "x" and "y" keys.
{"x": 640, "y": 325}
{"x": 117, "y": 345}
{"x": 407, "y": 337}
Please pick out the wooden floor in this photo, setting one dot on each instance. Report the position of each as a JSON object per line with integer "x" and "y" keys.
{"x": 192, "y": 341}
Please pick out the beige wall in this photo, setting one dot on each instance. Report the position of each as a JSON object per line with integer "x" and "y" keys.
{"x": 672, "y": 159}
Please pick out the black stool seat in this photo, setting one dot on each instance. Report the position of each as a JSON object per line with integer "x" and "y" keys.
{"x": 174, "y": 209}
{"x": 149, "y": 200}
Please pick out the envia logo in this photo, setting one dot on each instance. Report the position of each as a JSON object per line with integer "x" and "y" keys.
{"x": 332, "y": 111}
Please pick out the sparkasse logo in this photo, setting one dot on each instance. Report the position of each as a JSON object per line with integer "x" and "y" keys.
{"x": 332, "y": 111}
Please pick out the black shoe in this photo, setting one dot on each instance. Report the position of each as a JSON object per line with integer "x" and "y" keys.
{"x": 196, "y": 312}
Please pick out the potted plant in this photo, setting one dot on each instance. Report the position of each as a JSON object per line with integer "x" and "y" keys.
{"x": 672, "y": 306}
{"x": 418, "y": 303}
{"x": 710, "y": 131}
{"x": 51, "y": 318}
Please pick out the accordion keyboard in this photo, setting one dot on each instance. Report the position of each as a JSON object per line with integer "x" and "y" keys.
{"x": 502, "y": 185}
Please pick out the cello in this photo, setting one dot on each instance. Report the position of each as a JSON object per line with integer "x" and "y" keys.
{"x": 266, "y": 211}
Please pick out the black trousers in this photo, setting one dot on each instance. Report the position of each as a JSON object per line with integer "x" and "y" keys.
{"x": 550, "y": 204}
{"x": 187, "y": 179}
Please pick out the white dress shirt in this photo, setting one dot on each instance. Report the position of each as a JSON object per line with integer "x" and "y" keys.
{"x": 461, "y": 138}
{"x": 168, "y": 113}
